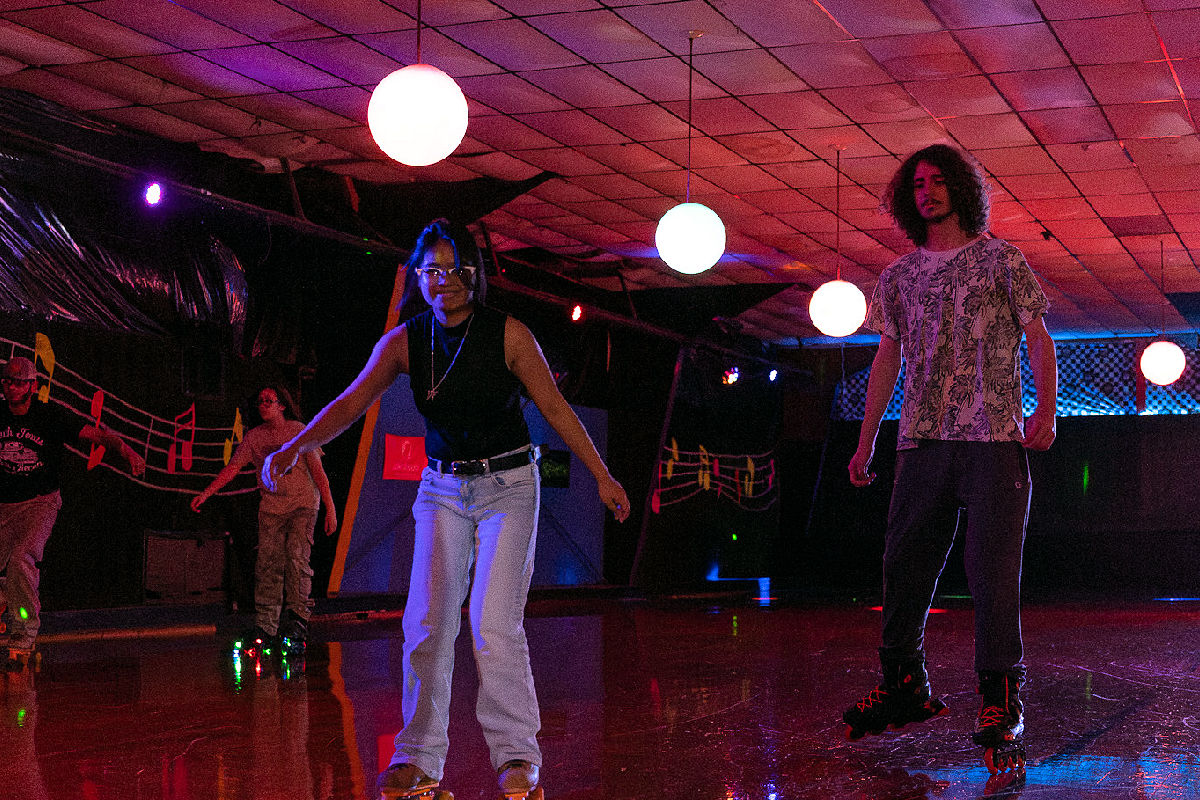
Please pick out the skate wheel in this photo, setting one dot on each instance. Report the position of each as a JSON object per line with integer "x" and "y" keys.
{"x": 851, "y": 735}
{"x": 443, "y": 795}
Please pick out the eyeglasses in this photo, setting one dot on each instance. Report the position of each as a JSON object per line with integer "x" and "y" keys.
{"x": 11, "y": 381}
{"x": 465, "y": 275}
{"x": 267, "y": 401}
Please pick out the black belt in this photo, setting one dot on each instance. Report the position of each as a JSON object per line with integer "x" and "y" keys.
{"x": 481, "y": 466}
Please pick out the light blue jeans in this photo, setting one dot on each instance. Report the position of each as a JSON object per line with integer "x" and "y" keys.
{"x": 488, "y": 522}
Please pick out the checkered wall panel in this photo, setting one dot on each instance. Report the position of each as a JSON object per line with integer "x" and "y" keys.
{"x": 1094, "y": 379}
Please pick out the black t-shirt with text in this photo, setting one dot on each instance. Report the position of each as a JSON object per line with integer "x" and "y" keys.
{"x": 31, "y": 450}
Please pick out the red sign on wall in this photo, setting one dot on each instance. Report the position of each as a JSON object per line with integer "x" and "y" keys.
{"x": 403, "y": 457}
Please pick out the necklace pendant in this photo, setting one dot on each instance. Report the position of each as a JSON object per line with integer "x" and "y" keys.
{"x": 432, "y": 393}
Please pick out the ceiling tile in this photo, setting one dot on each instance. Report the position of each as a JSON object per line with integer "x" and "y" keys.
{"x": 748, "y": 72}
{"x": 869, "y": 19}
{"x": 925, "y": 56}
{"x": 741, "y": 178}
{"x": 1180, "y": 32}
{"x": 289, "y": 111}
{"x": 198, "y": 75}
{"x": 1090, "y": 156}
{"x": 668, "y": 24}
{"x": 215, "y": 115}
{"x": 117, "y": 78}
{"x": 572, "y": 127}
{"x": 663, "y": 79}
{"x": 779, "y": 200}
{"x": 31, "y": 47}
{"x": 88, "y": 31}
{"x": 346, "y": 58}
{"x": 264, "y": 20}
{"x": 60, "y": 89}
{"x": 1111, "y": 181}
{"x": 990, "y": 131}
{"x": 1078, "y": 228}
{"x": 171, "y": 23}
{"x": 1068, "y": 125}
{"x": 1173, "y": 179}
{"x": 510, "y": 94}
{"x": 643, "y": 123}
{"x": 705, "y": 152}
{"x": 1033, "y": 187}
{"x": 907, "y": 137}
{"x": 1013, "y": 48}
{"x": 830, "y": 64}
{"x": 154, "y": 122}
{"x": 776, "y": 24}
{"x": 721, "y": 116}
{"x": 1066, "y": 208}
{"x": 347, "y": 101}
{"x": 584, "y": 87}
{"x": 865, "y": 104}
{"x": 958, "y": 96}
{"x": 445, "y": 54}
{"x": 272, "y": 67}
{"x": 564, "y": 161}
{"x": 1109, "y": 40}
{"x": 796, "y": 110}
{"x": 850, "y": 139}
{"x": 1016, "y": 161}
{"x": 1132, "y": 205}
{"x": 957, "y": 14}
{"x": 498, "y": 165}
{"x": 512, "y": 44}
{"x": 505, "y": 133}
{"x": 354, "y": 16}
{"x": 1179, "y": 201}
{"x": 1152, "y": 153}
{"x": 768, "y": 147}
{"x": 1046, "y": 88}
{"x": 605, "y": 212}
{"x": 1150, "y": 120}
{"x": 1131, "y": 83}
{"x": 599, "y": 36}
{"x": 452, "y": 12}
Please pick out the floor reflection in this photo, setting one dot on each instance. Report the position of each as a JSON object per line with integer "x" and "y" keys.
{"x": 639, "y": 700}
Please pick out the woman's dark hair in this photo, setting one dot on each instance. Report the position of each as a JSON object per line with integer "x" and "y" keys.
{"x": 964, "y": 184}
{"x": 290, "y": 409}
{"x": 466, "y": 253}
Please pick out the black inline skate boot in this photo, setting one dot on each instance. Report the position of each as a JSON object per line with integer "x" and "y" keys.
{"x": 293, "y": 635}
{"x": 256, "y": 643}
{"x": 1000, "y": 727}
{"x": 903, "y": 697}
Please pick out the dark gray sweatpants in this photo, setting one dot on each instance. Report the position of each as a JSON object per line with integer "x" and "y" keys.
{"x": 990, "y": 482}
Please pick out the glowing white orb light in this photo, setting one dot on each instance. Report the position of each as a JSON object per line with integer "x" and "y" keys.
{"x": 837, "y": 308}
{"x": 690, "y": 238}
{"x": 1162, "y": 362}
{"x": 417, "y": 115}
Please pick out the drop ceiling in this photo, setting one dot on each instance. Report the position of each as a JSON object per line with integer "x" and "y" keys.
{"x": 1080, "y": 112}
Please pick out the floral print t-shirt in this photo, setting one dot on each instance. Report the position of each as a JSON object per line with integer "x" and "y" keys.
{"x": 958, "y": 315}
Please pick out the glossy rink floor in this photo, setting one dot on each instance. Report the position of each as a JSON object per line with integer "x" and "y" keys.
{"x": 639, "y": 700}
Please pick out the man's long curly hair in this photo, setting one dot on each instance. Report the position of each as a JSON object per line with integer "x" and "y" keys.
{"x": 964, "y": 183}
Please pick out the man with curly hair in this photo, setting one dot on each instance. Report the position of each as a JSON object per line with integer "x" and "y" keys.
{"x": 954, "y": 310}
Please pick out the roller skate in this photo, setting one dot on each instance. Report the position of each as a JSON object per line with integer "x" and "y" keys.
{"x": 255, "y": 643}
{"x": 408, "y": 781}
{"x": 1000, "y": 726}
{"x": 22, "y": 657}
{"x": 903, "y": 697}
{"x": 293, "y": 636}
{"x": 518, "y": 780}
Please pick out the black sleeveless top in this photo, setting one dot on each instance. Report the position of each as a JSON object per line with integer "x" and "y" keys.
{"x": 476, "y": 410}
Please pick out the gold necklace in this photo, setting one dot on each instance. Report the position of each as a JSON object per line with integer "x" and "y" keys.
{"x": 433, "y": 390}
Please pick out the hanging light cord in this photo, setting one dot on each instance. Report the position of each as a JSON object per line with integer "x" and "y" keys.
{"x": 1162, "y": 287}
{"x": 837, "y": 218}
{"x": 687, "y": 194}
{"x": 418, "y": 31}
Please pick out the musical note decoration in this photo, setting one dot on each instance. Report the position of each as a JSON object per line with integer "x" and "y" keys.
{"x": 42, "y": 351}
{"x": 744, "y": 479}
{"x": 184, "y": 449}
{"x": 237, "y": 436}
{"x": 97, "y": 452}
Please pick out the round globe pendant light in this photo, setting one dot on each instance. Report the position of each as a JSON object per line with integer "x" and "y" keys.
{"x": 1163, "y": 361}
{"x": 417, "y": 115}
{"x": 838, "y": 307}
{"x": 690, "y": 237}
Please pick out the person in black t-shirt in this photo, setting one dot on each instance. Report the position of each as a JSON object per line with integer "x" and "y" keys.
{"x": 32, "y": 442}
{"x": 478, "y": 502}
